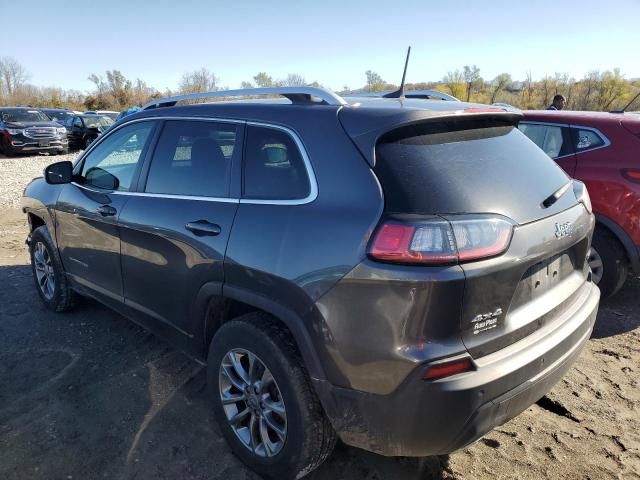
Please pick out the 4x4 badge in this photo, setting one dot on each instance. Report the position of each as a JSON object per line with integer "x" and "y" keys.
{"x": 563, "y": 229}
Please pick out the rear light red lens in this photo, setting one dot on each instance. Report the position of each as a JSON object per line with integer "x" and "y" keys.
{"x": 447, "y": 369}
{"x": 631, "y": 174}
{"x": 440, "y": 241}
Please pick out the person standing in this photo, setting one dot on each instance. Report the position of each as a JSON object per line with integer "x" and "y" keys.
{"x": 558, "y": 103}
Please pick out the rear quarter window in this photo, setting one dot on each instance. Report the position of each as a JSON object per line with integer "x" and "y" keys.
{"x": 273, "y": 166}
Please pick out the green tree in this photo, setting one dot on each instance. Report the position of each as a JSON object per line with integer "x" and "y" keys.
{"x": 472, "y": 79}
{"x": 498, "y": 85}
{"x": 454, "y": 81}
{"x": 375, "y": 83}
{"x": 263, "y": 80}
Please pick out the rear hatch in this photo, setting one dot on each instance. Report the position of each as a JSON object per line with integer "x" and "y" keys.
{"x": 473, "y": 165}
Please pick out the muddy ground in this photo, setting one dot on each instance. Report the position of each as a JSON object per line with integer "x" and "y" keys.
{"x": 90, "y": 395}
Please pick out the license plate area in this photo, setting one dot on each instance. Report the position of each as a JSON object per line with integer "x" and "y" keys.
{"x": 545, "y": 275}
{"x": 43, "y": 143}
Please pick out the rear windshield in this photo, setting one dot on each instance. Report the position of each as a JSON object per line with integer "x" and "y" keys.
{"x": 469, "y": 166}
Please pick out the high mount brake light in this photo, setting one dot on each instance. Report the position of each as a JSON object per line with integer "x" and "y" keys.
{"x": 440, "y": 242}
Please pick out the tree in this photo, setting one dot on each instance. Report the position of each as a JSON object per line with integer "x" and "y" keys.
{"x": 198, "y": 81}
{"x": 454, "y": 81}
{"x": 498, "y": 84}
{"x": 263, "y": 80}
{"x": 114, "y": 92}
{"x": 246, "y": 85}
{"x": 472, "y": 78}
{"x": 375, "y": 83}
{"x": 610, "y": 88}
{"x": 12, "y": 75}
{"x": 293, "y": 80}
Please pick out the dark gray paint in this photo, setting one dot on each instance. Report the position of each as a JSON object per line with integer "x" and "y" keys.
{"x": 364, "y": 329}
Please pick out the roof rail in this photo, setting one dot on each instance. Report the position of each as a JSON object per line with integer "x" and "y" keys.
{"x": 295, "y": 94}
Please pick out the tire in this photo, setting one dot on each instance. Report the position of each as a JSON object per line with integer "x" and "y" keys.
{"x": 64, "y": 151}
{"x": 48, "y": 274}
{"x": 87, "y": 142}
{"x": 7, "y": 150}
{"x": 306, "y": 437}
{"x": 608, "y": 262}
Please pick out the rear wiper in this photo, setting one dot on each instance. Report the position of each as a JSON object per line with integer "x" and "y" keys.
{"x": 555, "y": 196}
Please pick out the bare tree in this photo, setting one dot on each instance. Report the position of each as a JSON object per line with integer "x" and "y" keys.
{"x": 246, "y": 85}
{"x": 12, "y": 75}
{"x": 498, "y": 84}
{"x": 375, "y": 83}
{"x": 293, "y": 80}
{"x": 198, "y": 81}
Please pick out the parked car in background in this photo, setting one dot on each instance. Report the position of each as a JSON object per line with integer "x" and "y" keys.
{"x": 57, "y": 114}
{"x": 84, "y": 129}
{"x": 602, "y": 150}
{"x": 127, "y": 112}
{"x": 105, "y": 113}
{"x": 401, "y": 277}
{"x": 28, "y": 130}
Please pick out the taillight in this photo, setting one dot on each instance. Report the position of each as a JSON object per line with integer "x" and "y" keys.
{"x": 631, "y": 174}
{"x": 582, "y": 195}
{"x": 440, "y": 241}
{"x": 447, "y": 369}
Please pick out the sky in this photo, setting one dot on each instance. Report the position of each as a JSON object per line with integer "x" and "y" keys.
{"x": 61, "y": 43}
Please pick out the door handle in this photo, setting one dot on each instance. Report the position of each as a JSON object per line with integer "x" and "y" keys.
{"x": 202, "y": 227}
{"x": 107, "y": 210}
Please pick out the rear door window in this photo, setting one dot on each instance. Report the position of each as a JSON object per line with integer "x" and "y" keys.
{"x": 552, "y": 139}
{"x": 273, "y": 167}
{"x": 193, "y": 158}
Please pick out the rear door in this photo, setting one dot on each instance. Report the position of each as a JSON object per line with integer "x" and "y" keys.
{"x": 88, "y": 209}
{"x": 175, "y": 228}
{"x": 555, "y": 140}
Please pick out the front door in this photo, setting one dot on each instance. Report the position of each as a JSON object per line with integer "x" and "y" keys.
{"x": 87, "y": 210}
{"x": 175, "y": 229}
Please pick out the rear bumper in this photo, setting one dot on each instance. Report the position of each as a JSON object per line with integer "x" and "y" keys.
{"x": 429, "y": 418}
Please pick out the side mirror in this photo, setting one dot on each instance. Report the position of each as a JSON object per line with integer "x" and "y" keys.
{"x": 58, "y": 173}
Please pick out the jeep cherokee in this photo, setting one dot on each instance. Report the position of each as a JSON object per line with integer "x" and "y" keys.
{"x": 402, "y": 274}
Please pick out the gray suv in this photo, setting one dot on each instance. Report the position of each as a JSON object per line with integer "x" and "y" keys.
{"x": 401, "y": 274}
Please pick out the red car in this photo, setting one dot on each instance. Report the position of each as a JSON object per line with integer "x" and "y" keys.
{"x": 603, "y": 151}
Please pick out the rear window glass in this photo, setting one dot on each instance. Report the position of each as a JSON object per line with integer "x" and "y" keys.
{"x": 464, "y": 166}
{"x": 274, "y": 168}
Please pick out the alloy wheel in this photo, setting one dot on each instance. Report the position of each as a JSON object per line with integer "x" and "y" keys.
{"x": 595, "y": 263}
{"x": 252, "y": 403}
{"x": 44, "y": 270}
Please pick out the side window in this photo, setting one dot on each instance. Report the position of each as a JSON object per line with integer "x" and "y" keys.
{"x": 586, "y": 139}
{"x": 68, "y": 121}
{"x": 549, "y": 138}
{"x": 273, "y": 166}
{"x": 77, "y": 122}
{"x": 193, "y": 158}
{"x": 112, "y": 163}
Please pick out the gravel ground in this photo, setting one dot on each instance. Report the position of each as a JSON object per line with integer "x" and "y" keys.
{"x": 91, "y": 395}
{"x": 16, "y": 172}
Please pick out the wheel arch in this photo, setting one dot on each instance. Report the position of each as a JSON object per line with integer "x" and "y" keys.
{"x": 627, "y": 244}
{"x": 235, "y": 302}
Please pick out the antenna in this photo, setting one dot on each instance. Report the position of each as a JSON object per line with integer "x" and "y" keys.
{"x": 627, "y": 105}
{"x": 400, "y": 92}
